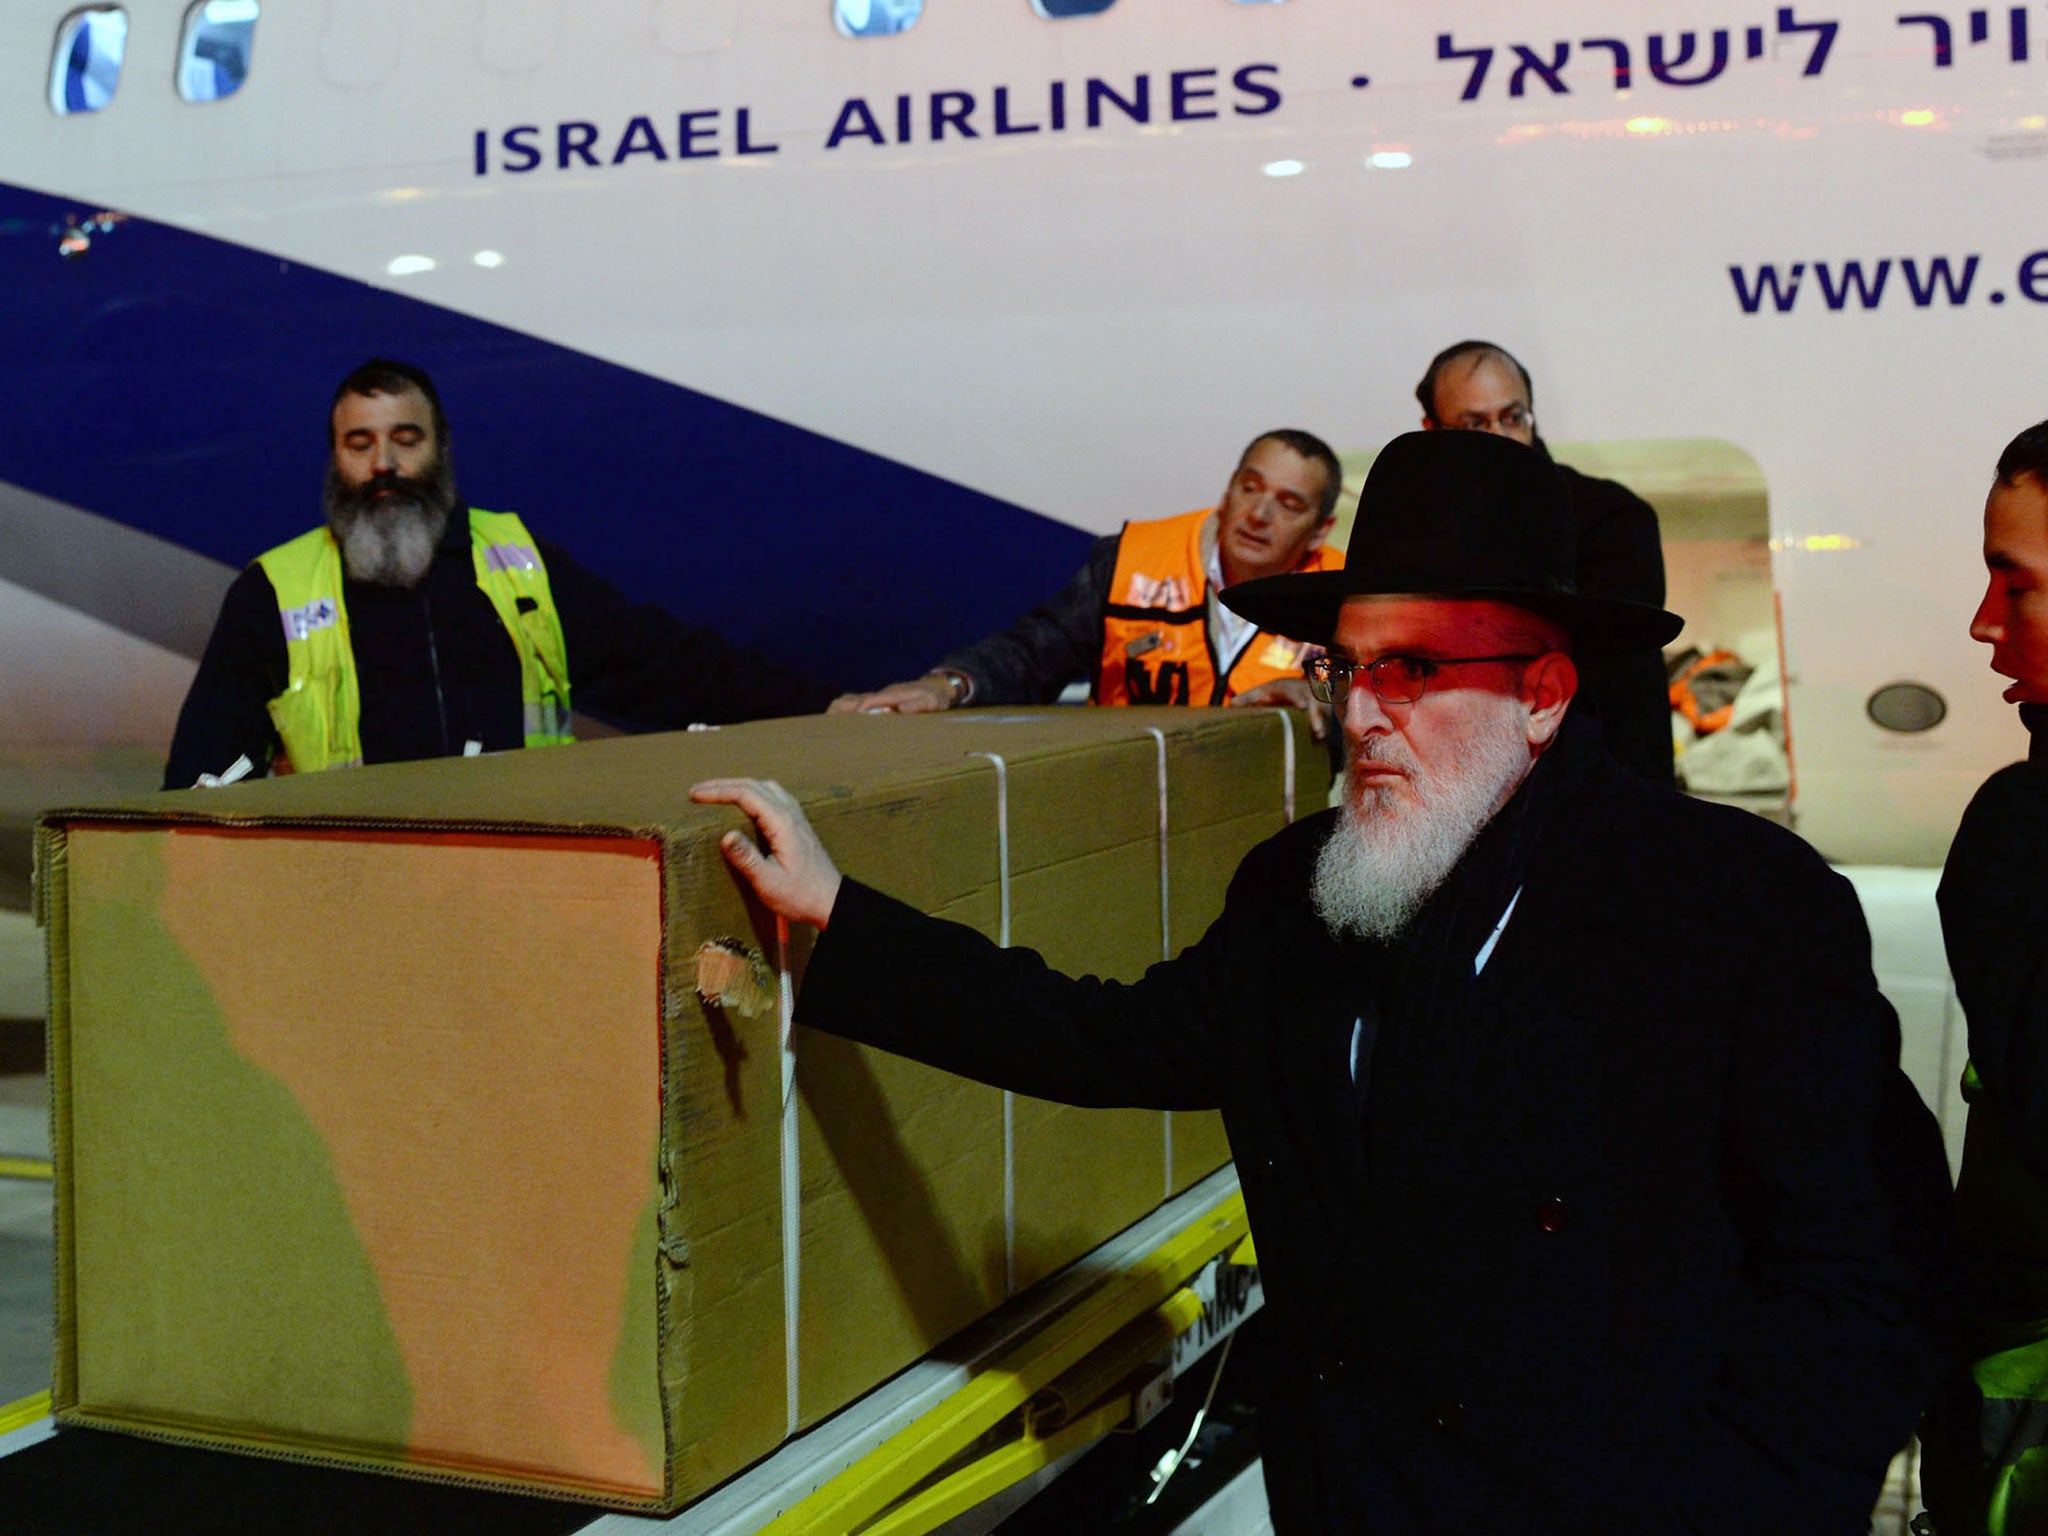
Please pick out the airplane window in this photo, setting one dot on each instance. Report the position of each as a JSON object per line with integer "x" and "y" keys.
{"x": 213, "y": 59}
{"x": 875, "y": 18}
{"x": 1908, "y": 708}
{"x": 87, "y": 64}
{"x": 1053, "y": 10}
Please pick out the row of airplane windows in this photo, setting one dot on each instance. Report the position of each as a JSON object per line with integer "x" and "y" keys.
{"x": 92, "y": 44}
{"x": 218, "y": 35}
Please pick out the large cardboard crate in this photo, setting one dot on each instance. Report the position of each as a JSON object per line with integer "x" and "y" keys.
{"x": 392, "y": 1128}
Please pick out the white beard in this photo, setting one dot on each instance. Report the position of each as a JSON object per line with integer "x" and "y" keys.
{"x": 392, "y": 545}
{"x": 1390, "y": 853}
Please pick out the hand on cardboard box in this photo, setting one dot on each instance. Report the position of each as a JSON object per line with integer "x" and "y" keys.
{"x": 925, "y": 695}
{"x": 795, "y": 878}
{"x": 1289, "y": 693}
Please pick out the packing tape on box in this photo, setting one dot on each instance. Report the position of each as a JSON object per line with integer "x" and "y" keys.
{"x": 1009, "y": 1099}
{"x": 1287, "y": 772}
{"x": 1165, "y": 921}
{"x": 1165, "y": 912}
{"x": 792, "y": 1184}
{"x": 1002, "y": 768}
{"x": 1286, "y": 763}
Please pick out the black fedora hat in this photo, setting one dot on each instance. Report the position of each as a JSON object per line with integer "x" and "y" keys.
{"x": 1457, "y": 514}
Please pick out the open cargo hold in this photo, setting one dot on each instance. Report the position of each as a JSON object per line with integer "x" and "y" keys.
{"x": 392, "y": 1129}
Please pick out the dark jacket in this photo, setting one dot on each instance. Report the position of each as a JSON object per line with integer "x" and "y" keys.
{"x": 1592, "y": 1248}
{"x": 1057, "y": 643}
{"x": 1622, "y": 555}
{"x": 437, "y": 669}
{"x": 1994, "y": 915}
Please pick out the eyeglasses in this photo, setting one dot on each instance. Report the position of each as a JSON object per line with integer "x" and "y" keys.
{"x": 1509, "y": 418}
{"x": 1394, "y": 679}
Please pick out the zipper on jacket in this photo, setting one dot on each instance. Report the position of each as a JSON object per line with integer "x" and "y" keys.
{"x": 1210, "y": 628}
{"x": 434, "y": 664}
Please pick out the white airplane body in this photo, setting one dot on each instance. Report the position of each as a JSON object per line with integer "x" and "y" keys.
{"x": 958, "y": 248}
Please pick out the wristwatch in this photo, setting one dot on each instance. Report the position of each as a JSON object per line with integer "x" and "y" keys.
{"x": 960, "y": 683}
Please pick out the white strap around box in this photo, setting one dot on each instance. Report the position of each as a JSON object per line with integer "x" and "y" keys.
{"x": 1165, "y": 922}
{"x": 1286, "y": 717}
{"x": 792, "y": 1184}
{"x": 1009, "y": 1099}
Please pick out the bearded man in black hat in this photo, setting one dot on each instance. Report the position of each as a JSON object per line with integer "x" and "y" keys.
{"x": 1551, "y": 1241}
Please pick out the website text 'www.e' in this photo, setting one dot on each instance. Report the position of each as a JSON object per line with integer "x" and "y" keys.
{"x": 1923, "y": 282}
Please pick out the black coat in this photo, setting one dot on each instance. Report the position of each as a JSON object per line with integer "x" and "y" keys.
{"x": 1603, "y": 1244}
{"x": 1621, "y": 554}
{"x": 1057, "y": 643}
{"x": 1994, "y": 911}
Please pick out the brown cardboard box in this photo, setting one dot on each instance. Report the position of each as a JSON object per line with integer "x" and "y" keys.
{"x": 392, "y": 1129}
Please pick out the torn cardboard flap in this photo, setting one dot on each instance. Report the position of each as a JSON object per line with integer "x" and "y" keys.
{"x": 730, "y": 975}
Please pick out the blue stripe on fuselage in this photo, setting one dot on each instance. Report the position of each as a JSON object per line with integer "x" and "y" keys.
{"x": 179, "y": 384}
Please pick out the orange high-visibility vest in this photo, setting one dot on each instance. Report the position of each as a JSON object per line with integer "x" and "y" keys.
{"x": 1156, "y": 637}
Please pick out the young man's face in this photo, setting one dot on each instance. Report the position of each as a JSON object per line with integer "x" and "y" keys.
{"x": 2013, "y": 617}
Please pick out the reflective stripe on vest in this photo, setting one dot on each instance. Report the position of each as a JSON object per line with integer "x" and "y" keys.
{"x": 510, "y": 572}
{"x": 319, "y": 714}
{"x": 1156, "y": 638}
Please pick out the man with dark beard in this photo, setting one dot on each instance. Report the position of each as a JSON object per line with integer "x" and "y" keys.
{"x": 1551, "y": 1240}
{"x": 411, "y": 625}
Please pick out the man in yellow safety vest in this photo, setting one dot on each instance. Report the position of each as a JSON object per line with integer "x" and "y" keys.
{"x": 411, "y": 625}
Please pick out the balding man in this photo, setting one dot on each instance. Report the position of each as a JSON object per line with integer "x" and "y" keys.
{"x": 1476, "y": 386}
{"x": 1549, "y": 1245}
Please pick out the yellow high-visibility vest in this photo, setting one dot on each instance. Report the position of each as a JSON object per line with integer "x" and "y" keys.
{"x": 319, "y": 714}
